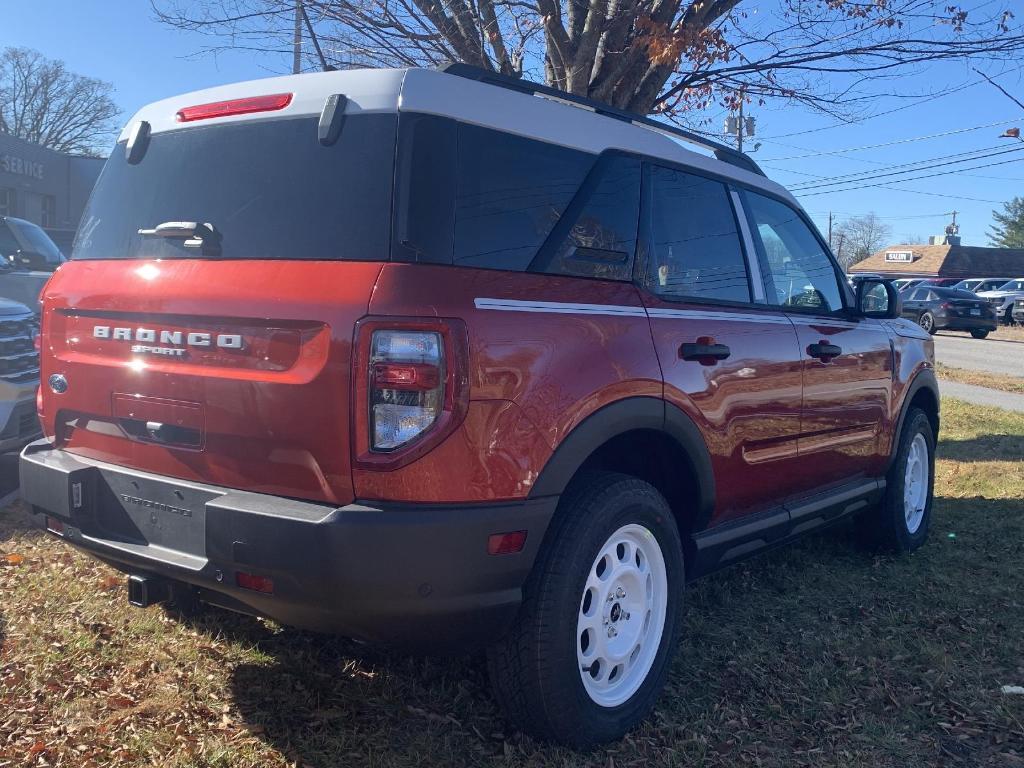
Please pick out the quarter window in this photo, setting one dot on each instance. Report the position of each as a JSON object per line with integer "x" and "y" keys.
{"x": 801, "y": 273}
{"x": 511, "y": 192}
{"x": 695, "y": 249}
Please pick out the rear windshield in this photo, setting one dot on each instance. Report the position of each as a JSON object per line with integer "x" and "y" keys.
{"x": 953, "y": 293}
{"x": 269, "y": 189}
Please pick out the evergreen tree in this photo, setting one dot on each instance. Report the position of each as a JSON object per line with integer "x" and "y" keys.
{"x": 1008, "y": 231}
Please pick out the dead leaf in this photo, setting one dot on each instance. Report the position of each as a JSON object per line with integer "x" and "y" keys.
{"x": 14, "y": 559}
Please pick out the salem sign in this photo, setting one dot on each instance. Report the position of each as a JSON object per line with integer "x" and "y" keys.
{"x": 899, "y": 256}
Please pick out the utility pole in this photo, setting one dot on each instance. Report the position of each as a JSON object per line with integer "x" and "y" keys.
{"x": 740, "y": 126}
{"x": 297, "y": 40}
{"x": 830, "y": 229}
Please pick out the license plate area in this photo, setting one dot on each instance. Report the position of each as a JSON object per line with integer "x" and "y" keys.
{"x": 976, "y": 312}
{"x": 147, "y": 512}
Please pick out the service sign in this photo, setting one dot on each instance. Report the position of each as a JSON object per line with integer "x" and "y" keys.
{"x": 19, "y": 166}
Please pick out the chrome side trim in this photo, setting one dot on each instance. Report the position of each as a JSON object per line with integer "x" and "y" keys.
{"x": 559, "y": 307}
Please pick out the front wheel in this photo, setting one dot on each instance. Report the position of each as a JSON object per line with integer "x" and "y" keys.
{"x": 901, "y": 521}
{"x": 927, "y": 322}
{"x": 979, "y": 334}
{"x": 590, "y": 650}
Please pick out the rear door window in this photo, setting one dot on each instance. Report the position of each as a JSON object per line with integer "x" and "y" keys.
{"x": 268, "y": 187}
{"x": 695, "y": 249}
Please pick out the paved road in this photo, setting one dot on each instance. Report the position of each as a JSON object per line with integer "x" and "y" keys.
{"x": 959, "y": 350}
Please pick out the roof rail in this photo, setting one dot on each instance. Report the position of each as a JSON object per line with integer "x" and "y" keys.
{"x": 722, "y": 152}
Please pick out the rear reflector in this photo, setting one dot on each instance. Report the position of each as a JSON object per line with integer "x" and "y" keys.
{"x": 53, "y": 525}
{"x": 270, "y": 103}
{"x": 506, "y": 543}
{"x": 255, "y": 583}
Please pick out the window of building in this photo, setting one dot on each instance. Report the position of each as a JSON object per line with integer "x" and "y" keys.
{"x": 800, "y": 271}
{"x": 8, "y": 201}
{"x": 695, "y": 249}
{"x": 49, "y": 217}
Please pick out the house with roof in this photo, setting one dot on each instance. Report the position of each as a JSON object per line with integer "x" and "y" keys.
{"x": 949, "y": 259}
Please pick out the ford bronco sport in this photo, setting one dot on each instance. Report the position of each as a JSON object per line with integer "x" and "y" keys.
{"x": 449, "y": 361}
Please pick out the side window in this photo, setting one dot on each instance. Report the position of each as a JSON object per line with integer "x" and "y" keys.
{"x": 596, "y": 236}
{"x": 695, "y": 249}
{"x": 920, "y": 294}
{"x": 801, "y": 272}
{"x": 510, "y": 193}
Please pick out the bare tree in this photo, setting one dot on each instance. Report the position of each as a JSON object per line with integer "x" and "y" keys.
{"x": 664, "y": 56}
{"x": 862, "y": 236}
{"x": 41, "y": 101}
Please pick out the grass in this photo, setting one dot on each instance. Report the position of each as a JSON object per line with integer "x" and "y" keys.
{"x": 999, "y": 381}
{"x": 816, "y": 655}
{"x": 1008, "y": 333}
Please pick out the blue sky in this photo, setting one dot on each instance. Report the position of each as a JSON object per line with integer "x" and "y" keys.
{"x": 119, "y": 41}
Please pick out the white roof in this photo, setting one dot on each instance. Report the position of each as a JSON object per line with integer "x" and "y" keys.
{"x": 434, "y": 92}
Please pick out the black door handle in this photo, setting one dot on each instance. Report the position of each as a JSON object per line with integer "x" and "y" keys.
{"x": 824, "y": 351}
{"x": 705, "y": 354}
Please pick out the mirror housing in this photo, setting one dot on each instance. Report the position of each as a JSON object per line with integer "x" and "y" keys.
{"x": 32, "y": 261}
{"x": 878, "y": 299}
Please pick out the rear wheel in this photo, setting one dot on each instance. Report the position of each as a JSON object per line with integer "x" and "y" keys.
{"x": 979, "y": 334}
{"x": 927, "y": 321}
{"x": 591, "y": 647}
{"x": 901, "y": 521}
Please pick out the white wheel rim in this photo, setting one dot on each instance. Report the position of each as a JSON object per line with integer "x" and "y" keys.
{"x": 915, "y": 483}
{"x": 621, "y": 615}
{"x": 926, "y": 322}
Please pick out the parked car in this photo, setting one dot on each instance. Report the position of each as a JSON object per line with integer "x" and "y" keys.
{"x": 19, "y": 376}
{"x": 27, "y": 259}
{"x": 941, "y": 282}
{"x": 407, "y": 379}
{"x": 906, "y": 283}
{"x": 1003, "y": 297}
{"x": 978, "y": 284}
{"x": 949, "y": 309}
{"x": 1018, "y": 311}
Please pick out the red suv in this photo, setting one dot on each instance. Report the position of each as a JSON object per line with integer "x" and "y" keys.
{"x": 449, "y": 361}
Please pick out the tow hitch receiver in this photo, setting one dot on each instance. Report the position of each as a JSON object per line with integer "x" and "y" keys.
{"x": 144, "y": 591}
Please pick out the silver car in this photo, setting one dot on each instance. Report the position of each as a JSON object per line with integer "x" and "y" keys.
{"x": 19, "y": 376}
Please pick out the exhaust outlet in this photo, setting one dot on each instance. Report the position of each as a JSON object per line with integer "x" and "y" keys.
{"x": 144, "y": 591}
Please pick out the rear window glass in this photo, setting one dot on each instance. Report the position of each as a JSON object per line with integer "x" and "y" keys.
{"x": 268, "y": 187}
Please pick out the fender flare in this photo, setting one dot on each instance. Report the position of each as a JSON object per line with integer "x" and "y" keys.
{"x": 620, "y": 417}
{"x": 925, "y": 379}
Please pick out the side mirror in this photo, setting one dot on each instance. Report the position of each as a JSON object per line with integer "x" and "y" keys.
{"x": 878, "y": 299}
{"x": 32, "y": 261}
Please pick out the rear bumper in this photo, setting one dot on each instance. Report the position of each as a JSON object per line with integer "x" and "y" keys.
{"x": 416, "y": 576}
{"x": 966, "y": 323}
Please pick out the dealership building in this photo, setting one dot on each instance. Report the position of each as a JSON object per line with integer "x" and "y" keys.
{"x": 45, "y": 187}
{"x": 946, "y": 259}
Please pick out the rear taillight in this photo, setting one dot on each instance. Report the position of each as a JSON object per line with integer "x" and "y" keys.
{"x": 406, "y": 387}
{"x": 411, "y": 387}
{"x": 945, "y": 305}
{"x": 269, "y": 103}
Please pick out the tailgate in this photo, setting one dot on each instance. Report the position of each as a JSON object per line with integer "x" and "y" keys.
{"x": 233, "y": 373}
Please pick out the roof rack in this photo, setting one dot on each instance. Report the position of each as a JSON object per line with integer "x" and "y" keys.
{"x": 722, "y": 152}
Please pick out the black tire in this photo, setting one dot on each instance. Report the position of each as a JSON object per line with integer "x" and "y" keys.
{"x": 886, "y": 526}
{"x": 979, "y": 334}
{"x": 534, "y": 670}
{"x": 927, "y": 322}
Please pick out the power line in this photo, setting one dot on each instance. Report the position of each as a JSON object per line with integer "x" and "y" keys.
{"x": 887, "y": 143}
{"x": 871, "y": 176}
{"x": 916, "y": 178}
